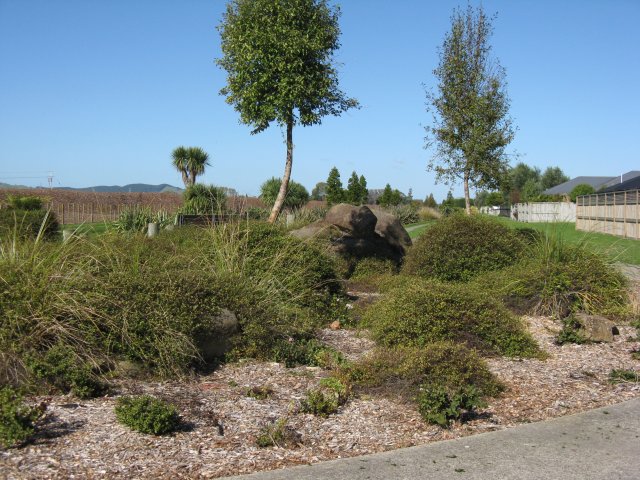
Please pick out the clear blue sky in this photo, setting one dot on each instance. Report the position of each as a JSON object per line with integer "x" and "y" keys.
{"x": 100, "y": 92}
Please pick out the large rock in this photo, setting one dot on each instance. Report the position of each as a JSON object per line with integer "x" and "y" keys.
{"x": 360, "y": 232}
{"x": 596, "y": 328}
{"x": 218, "y": 342}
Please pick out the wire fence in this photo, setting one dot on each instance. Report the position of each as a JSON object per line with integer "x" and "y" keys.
{"x": 616, "y": 213}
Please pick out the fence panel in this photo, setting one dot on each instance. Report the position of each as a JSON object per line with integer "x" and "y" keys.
{"x": 75, "y": 213}
{"x": 615, "y": 213}
{"x": 544, "y": 212}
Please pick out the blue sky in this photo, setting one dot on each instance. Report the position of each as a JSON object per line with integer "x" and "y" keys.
{"x": 100, "y": 92}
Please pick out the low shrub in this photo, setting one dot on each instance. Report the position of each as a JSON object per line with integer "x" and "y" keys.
{"x": 17, "y": 420}
{"x": 60, "y": 368}
{"x": 327, "y": 398}
{"x": 622, "y": 376}
{"x": 460, "y": 247}
{"x": 147, "y": 414}
{"x": 260, "y": 392}
{"x": 420, "y": 312}
{"x": 402, "y": 370}
{"x": 137, "y": 220}
{"x": 277, "y": 434}
{"x": 570, "y": 332}
{"x": 21, "y": 225}
{"x": 21, "y": 202}
{"x": 200, "y": 199}
{"x": 372, "y": 267}
{"x": 405, "y": 213}
{"x": 428, "y": 213}
{"x": 310, "y": 352}
{"x": 439, "y": 406}
{"x": 558, "y": 279}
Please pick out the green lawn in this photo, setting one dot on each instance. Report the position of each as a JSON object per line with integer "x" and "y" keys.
{"x": 417, "y": 229}
{"x": 89, "y": 229}
{"x": 616, "y": 249}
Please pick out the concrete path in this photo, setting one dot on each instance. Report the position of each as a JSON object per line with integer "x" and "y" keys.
{"x": 600, "y": 444}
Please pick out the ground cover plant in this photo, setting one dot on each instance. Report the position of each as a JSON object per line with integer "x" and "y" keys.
{"x": 146, "y": 414}
{"x": 460, "y": 247}
{"x": 17, "y": 420}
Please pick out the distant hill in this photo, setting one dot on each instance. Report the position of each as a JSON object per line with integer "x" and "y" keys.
{"x": 8, "y": 185}
{"x": 132, "y": 187}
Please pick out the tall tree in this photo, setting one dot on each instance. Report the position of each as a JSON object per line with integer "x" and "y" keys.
{"x": 553, "y": 176}
{"x": 364, "y": 191}
{"x": 278, "y": 55}
{"x": 319, "y": 192}
{"x": 354, "y": 190}
{"x": 190, "y": 162}
{"x": 521, "y": 174}
{"x": 335, "y": 193}
{"x": 430, "y": 201}
{"x": 297, "y": 196}
{"x": 471, "y": 125}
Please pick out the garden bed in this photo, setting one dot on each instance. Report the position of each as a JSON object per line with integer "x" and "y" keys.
{"x": 221, "y": 423}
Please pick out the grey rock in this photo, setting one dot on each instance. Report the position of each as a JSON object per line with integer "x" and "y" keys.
{"x": 596, "y": 328}
{"x": 218, "y": 341}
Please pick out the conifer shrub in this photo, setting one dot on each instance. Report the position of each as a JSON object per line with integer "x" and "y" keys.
{"x": 146, "y": 414}
{"x": 27, "y": 224}
{"x": 460, "y": 247}
{"x": 420, "y": 312}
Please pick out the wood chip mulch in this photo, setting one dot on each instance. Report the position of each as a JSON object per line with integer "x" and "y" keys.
{"x": 82, "y": 439}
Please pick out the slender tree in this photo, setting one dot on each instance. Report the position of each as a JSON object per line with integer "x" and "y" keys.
{"x": 335, "y": 192}
{"x": 364, "y": 192}
{"x": 354, "y": 192}
{"x": 471, "y": 126}
{"x": 278, "y": 56}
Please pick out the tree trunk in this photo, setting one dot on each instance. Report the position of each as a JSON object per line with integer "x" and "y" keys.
{"x": 185, "y": 178}
{"x": 277, "y": 206}
{"x": 467, "y": 200}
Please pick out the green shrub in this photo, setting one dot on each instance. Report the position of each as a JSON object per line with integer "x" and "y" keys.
{"x": 327, "y": 398}
{"x": 372, "y": 266}
{"x": 27, "y": 224}
{"x": 277, "y": 434}
{"x": 405, "y": 213}
{"x": 60, "y": 368}
{"x": 200, "y": 199}
{"x": 581, "y": 189}
{"x": 16, "y": 419}
{"x": 420, "y": 312}
{"x": 402, "y": 370}
{"x": 621, "y": 376}
{"x": 440, "y": 406}
{"x": 570, "y": 332}
{"x": 147, "y": 414}
{"x": 296, "y": 195}
{"x": 20, "y": 202}
{"x": 557, "y": 279}
{"x": 460, "y": 247}
{"x": 137, "y": 220}
{"x": 310, "y": 352}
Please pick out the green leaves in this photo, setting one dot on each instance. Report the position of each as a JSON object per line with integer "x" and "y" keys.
{"x": 278, "y": 55}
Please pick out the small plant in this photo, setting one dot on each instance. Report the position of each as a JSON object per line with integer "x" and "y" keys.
{"x": 62, "y": 369}
{"x": 439, "y": 406}
{"x": 260, "y": 392}
{"x": 570, "y": 332}
{"x": 325, "y": 400}
{"x": 277, "y": 434}
{"x": 311, "y": 352}
{"x": 16, "y": 419}
{"x": 624, "y": 376}
{"x": 147, "y": 414}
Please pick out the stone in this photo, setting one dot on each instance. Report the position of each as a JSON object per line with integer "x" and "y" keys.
{"x": 335, "y": 325}
{"x": 218, "y": 342}
{"x": 359, "y": 232}
{"x": 596, "y": 328}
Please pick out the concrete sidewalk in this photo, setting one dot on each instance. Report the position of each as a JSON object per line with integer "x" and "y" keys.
{"x": 599, "y": 444}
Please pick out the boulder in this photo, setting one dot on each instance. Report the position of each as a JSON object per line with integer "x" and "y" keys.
{"x": 218, "y": 341}
{"x": 360, "y": 232}
{"x": 596, "y": 328}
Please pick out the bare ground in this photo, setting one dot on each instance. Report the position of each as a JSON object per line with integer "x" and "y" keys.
{"x": 82, "y": 439}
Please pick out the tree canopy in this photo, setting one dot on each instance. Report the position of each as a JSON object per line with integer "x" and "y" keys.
{"x": 190, "y": 162}
{"x": 471, "y": 126}
{"x": 279, "y": 60}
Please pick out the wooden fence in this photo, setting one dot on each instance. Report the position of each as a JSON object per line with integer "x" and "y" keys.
{"x": 616, "y": 213}
{"x": 544, "y": 212}
{"x": 74, "y": 213}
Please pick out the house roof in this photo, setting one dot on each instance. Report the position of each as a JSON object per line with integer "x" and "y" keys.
{"x": 566, "y": 187}
{"x": 598, "y": 183}
{"x": 632, "y": 183}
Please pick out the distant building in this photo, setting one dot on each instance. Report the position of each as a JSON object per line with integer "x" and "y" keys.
{"x": 598, "y": 183}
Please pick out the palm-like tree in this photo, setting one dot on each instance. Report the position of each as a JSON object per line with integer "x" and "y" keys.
{"x": 190, "y": 162}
